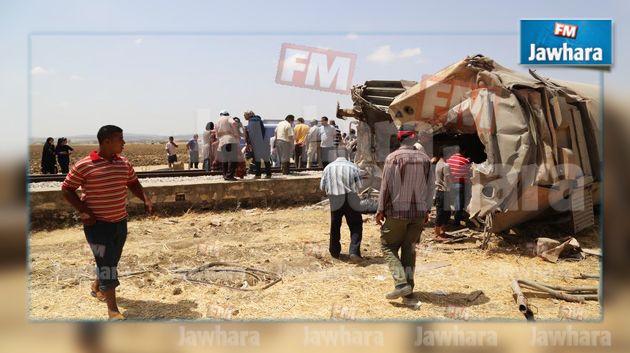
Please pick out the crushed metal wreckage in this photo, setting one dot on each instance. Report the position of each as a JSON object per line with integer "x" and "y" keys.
{"x": 534, "y": 142}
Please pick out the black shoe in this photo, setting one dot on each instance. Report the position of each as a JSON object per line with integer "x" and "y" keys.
{"x": 230, "y": 179}
{"x": 355, "y": 259}
{"x": 411, "y": 301}
{"x": 399, "y": 292}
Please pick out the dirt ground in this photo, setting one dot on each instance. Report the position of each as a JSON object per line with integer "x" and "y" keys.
{"x": 293, "y": 243}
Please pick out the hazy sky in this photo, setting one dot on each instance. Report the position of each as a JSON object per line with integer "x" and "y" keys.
{"x": 166, "y": 67}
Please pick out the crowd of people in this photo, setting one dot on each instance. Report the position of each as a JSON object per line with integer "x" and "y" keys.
{"x": 258, "y": 146}
{"x": 54, "y": 156}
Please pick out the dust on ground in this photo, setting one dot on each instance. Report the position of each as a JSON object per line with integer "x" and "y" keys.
{"x": 456, "y": 281}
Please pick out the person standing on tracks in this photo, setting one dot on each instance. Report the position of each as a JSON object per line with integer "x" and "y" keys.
{"x": 256, "y": 143}
{"x": 63, "y": 151}
{"x": 229, "y": 138}
{"x": 104, "y": 177}
{"x": 312, "y": 142}
{"x": 403, "y": 204}
{"x": 193, "y": 152}
{"x": 285, "y": 139}
{"x": 209, "y": 149}
{"x": 341, "y": 182}
{"x": 171, "y": 151}
{"x": 301, "y": 132}
{"x": 49, "y": 163}
{"x": 327, "y": 134}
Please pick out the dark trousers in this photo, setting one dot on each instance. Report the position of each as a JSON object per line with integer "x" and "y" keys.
{"x": 258, "y": 170}
{"x": 442, "y": 209}
{"x": 65, "y": 167}
{"x": 328, "y": 155}
{"x": 49, "y": 168}
{"x": 299, "y": 156}
{"x": 106, "y": 241}
{"x": 348, "y": 206}
{"x": 229, "y": 157}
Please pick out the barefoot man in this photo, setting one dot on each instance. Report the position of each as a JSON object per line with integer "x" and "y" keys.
{"x": 104, "y": 177}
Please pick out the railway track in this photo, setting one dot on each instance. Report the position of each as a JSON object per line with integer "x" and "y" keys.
{"x": 38, "y": 178}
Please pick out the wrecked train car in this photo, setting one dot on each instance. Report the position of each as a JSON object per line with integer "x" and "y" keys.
{"x": 376, "y": 131}
{"x": 534, "y": 142}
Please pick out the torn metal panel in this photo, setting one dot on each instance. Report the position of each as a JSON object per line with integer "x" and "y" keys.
{"x": 539, "y": 135}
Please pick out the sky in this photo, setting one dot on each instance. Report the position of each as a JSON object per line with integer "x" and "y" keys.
{"x": 168, "y": 67}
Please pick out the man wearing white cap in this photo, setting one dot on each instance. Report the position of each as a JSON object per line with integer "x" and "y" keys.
{"x": 228, "y": 135}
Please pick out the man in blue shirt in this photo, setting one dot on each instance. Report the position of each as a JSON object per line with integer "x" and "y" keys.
{"x": 257, "y": 143}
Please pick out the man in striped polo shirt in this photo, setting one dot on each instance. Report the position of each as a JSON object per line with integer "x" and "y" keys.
{"x": 459, "y": 167}
{"x": 104, "y": 177}
{"x": 341, "y": 182}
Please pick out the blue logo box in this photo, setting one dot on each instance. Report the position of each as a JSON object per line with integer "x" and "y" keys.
{"x": 566, "y": 42}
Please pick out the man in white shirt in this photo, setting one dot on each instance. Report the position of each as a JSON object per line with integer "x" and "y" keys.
{"x": 229, "y": 138}
{"x": 312, "y": 143}
{"x": 285, "y": 139}
{"x": 171, "y": 151}
{"x": 327, "y": 135}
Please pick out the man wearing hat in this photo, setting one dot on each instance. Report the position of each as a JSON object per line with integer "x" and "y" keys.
{"x": 229, "y": 138}
{"x": 403, "y": 205}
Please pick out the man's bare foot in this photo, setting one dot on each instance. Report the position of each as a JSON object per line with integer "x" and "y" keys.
{"x": 96, "y": 293}
{"x": 116, "y": 316}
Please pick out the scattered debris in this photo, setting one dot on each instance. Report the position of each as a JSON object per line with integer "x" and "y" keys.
{"x": 463, "y": 247}
{"x": 595, "y": 252}
{"x": 521, "y": 301}
{"x": 177, "y": 291}
{"x": 570, "y": 294}
{"x": 432, "y": 266}
{"x": 473, "y": 296}
{"x": 232, "y": 276}
{"x": 551, "y": 249}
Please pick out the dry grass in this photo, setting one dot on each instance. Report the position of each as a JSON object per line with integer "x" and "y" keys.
{"x": 140, "y": 154}
{"x": 311, "y": 286}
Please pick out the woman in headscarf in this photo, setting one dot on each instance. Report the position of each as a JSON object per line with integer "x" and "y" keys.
{"x": 49, "y": 162}
{"x": 63, "y": 151}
